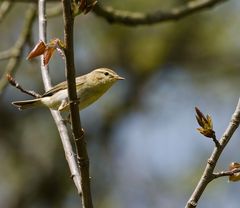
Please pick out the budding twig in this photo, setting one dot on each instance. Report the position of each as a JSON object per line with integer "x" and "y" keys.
{"x": 208, "y": 174}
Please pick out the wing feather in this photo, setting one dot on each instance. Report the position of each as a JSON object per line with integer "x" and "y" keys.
{"x": 63, "y": 86}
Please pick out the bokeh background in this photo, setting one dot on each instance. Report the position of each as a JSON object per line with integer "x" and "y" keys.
{"x": 142, "y": 140}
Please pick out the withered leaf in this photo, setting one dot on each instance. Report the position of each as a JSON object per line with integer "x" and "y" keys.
{"x": 47, "y": 50}
{"x": 48, "y": 55}
{"x": 37, "y": 50}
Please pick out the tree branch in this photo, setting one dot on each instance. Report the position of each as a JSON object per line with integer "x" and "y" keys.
{"x": 208, "y": 174}
{"x": 74, "y": 110}
{"x": 14, "y": 54}
{"x": 69, "y": 154}
{"x": 137, "y": 18}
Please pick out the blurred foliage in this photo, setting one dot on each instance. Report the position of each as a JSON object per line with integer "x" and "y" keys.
{"x": 169, "y": 69}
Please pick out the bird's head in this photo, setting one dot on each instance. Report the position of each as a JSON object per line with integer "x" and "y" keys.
{"x": 104, "y": 76}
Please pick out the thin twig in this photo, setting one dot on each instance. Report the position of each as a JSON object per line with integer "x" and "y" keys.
{"x": 74, "y": 110}
{"x": 17, "y": 49}
{"x": 208, "y": 174}
{"x": 69, "y": 154}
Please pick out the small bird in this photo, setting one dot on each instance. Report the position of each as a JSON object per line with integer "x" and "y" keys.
{"x": 89, "y": 88}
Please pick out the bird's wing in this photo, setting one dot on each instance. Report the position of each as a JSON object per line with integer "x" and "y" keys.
{"x": 56, "y": 88}
{"x": 62, "y": 86}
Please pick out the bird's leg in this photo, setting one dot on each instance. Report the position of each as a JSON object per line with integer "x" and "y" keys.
{"x": 63, "y": 105}
{"x": 77, "y": 101}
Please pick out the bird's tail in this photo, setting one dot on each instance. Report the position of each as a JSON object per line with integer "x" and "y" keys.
{"x": 21, "y": 105}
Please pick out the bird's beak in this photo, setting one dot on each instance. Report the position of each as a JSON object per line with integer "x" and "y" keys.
{"x": 119, "y": 78}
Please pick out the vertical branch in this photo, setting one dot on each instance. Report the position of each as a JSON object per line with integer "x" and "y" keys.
{"x": 74, "y": 110}
{"x": 42, "y": 22}
{"x": 69, "y": 154}
{"x": 208, "y": 174}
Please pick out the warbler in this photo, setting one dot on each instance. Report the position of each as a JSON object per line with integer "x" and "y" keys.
{"x": 89, "y": 88}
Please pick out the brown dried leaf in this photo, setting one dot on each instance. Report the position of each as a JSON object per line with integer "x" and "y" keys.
{"x": 38, "y": 50}
{"x": 54, "y": 44}
{"x": 48, "y": 55}
{"x": 47, "y": 50}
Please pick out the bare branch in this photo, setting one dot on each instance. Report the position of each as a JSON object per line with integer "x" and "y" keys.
{"x": 14, "y": 54}
{"x": 208, "y": 174}
{"x": 136, "y": 18}
{"x": 63, "y": 132}
{"x": 74, "y": 110}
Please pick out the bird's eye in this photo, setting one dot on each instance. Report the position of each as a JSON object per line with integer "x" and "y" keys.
{"x": 106, "y": 73}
